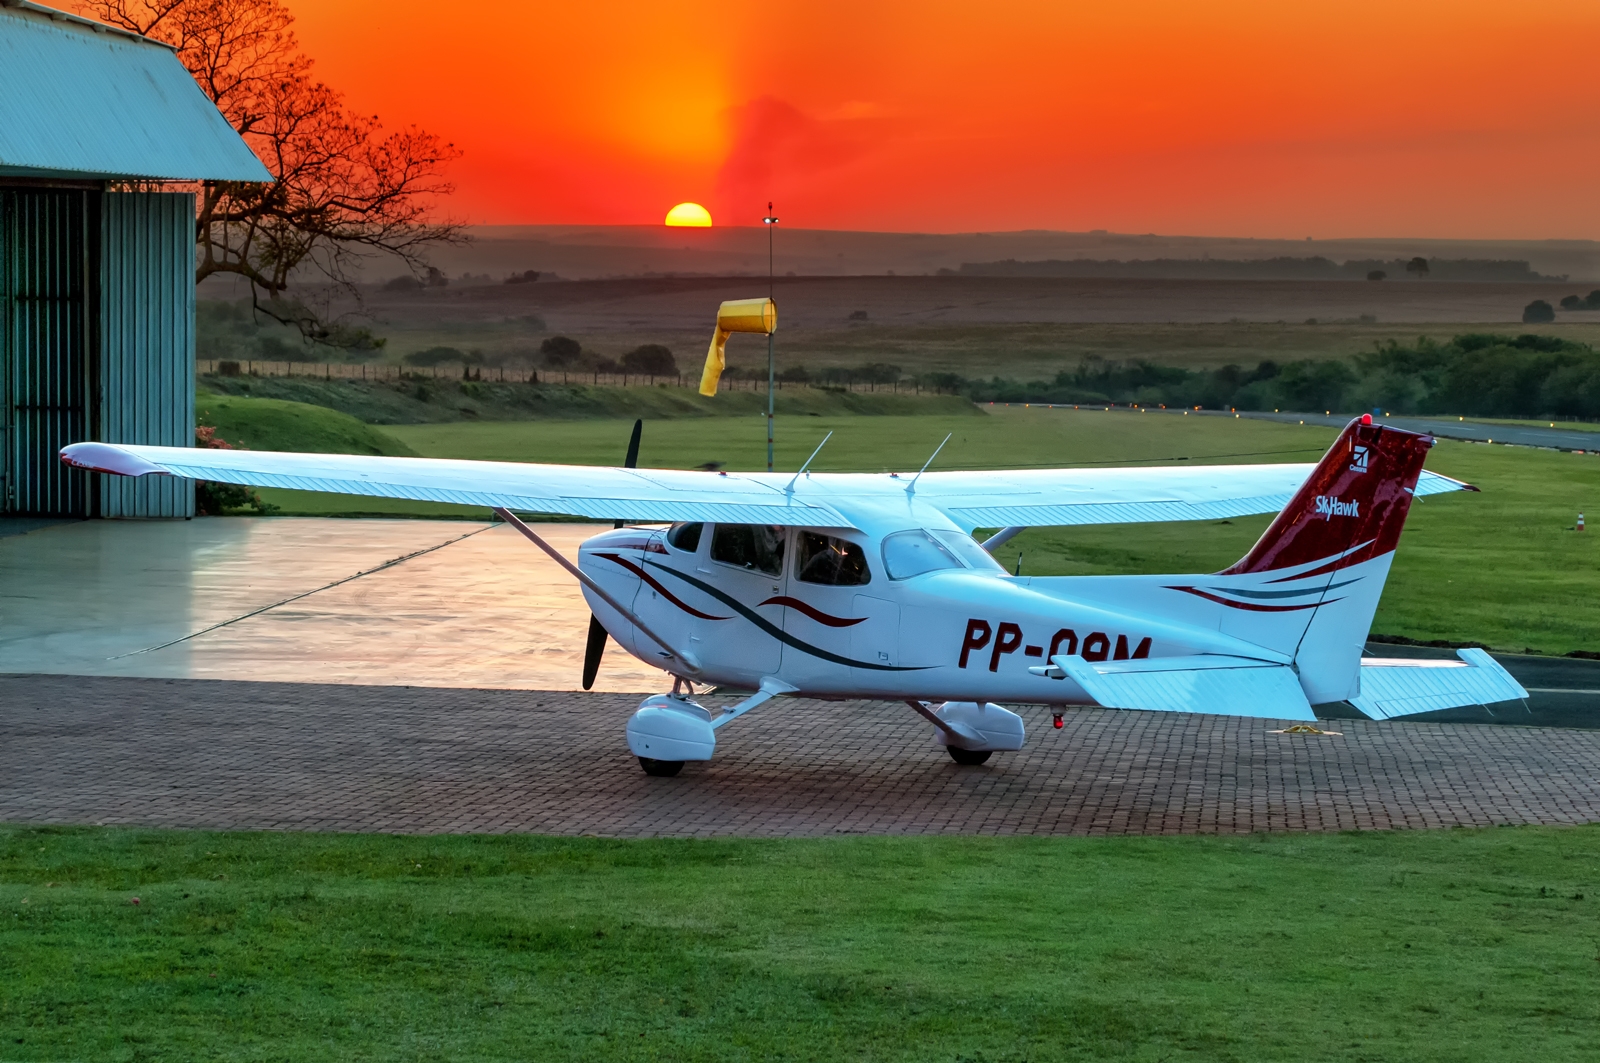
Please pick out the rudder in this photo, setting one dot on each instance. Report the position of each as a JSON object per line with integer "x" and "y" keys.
{"x": 1310, "y": 585}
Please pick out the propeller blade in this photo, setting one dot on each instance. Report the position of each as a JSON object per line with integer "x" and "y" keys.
{"x": 633, "y": 445}
{"x": 596, "y": 646}
{"x": 593, "y": 650}
{"x": 632, "y": 460}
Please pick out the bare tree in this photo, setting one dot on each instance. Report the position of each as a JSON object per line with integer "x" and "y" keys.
{"x": 343, "y": 188}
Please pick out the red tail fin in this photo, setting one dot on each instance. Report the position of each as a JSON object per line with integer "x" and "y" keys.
{"x": 1350, "y": 508}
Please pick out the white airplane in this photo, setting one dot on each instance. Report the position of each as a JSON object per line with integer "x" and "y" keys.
{"x": 871, "y": 586}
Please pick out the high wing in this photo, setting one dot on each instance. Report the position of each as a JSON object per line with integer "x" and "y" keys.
{"x": 1046, "y": 497}
{"x": 969, "y": 499}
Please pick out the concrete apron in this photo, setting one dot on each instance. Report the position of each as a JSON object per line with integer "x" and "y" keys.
{"x": 475, "y": 607}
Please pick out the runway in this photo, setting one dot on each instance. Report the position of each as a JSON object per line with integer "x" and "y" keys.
{"x": 1555, "y": 437}
{"x": 415, "y": 760}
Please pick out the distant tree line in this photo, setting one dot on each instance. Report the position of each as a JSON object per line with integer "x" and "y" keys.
{"x": 1280, "y": 268}
{"x": 1476, "y": 374}
{"x": 555, "y": 352}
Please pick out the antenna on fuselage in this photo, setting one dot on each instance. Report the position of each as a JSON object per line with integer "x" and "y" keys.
{"x": 807, "y": 465}
{"x": 925, "y": 464}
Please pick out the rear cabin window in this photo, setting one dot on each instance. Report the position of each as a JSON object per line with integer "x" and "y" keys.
{"x": 755, "y": 547}
{"x": 831, "y": 561}
{"x": 685, "y": 537}
{"x": 911, "y": 553}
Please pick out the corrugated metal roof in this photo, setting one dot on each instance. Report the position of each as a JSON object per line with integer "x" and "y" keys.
{"x": 79, "y": 100}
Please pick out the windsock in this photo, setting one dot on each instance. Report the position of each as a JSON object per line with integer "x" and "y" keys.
{"x": 735, "y": 315}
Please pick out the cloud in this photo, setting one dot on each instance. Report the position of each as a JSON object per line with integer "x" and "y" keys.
{"x": 777, "y": 148}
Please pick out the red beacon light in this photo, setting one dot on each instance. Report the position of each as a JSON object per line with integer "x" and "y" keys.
{"x": 1058, "y": 724}
{"x": 1366, "y": 418}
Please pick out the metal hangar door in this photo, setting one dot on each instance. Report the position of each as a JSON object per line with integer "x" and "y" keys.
{"x": 44, "y": 364}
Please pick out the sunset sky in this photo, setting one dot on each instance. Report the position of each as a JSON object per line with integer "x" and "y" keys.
{"x": 1240, "y": 117}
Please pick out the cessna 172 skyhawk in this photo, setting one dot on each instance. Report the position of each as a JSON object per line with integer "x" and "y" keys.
{"x": 871, "y": 585}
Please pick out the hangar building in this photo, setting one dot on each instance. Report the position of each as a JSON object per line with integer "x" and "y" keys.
{"x": 97, "y": 277}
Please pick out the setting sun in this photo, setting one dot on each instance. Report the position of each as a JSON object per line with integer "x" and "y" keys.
{"x": 689, "y": 214}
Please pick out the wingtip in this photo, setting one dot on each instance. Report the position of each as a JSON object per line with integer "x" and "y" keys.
{"x": 104, "y": 457}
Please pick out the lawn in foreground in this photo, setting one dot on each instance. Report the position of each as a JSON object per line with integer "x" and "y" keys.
{"x": 1448, "y": 945}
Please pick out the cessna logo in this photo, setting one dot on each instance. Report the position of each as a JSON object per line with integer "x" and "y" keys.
{"x": 1329, "y": 507}
{"x": 1358, "y": 459}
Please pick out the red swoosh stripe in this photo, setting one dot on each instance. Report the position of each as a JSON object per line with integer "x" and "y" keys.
{"x": 659, "y": 589}
{"x": 815, "y": 614}
{"x": 1251, "y": 606}
{"x": 1366, "y": 553}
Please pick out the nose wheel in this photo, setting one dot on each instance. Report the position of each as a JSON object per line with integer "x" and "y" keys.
{"x": 972, "y": 757}
{"x": 661, "y": 769}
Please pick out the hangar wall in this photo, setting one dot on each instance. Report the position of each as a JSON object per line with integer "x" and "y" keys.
{"x": 96, "y": 342}
{"x": 146, "y": 344}
{"x": 44, "y": 373}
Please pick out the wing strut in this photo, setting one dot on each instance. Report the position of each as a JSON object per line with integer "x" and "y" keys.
{"x": 1004, "y": 535}
{"x": 684, "y": 661}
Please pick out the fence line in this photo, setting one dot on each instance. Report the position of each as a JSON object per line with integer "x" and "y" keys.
{"x": 500, "y": 374}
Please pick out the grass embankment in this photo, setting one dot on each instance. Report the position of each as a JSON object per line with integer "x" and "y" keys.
{"x": 1448, "y": 946}
{"x": 275, "y": 424}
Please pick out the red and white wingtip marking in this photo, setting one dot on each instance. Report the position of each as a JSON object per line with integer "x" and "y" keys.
{"x": 104, "y": 457}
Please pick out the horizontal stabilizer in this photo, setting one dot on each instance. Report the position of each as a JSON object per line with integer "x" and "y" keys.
{"x": 1396, "y": 687}
{"x": 1223, "y": 686}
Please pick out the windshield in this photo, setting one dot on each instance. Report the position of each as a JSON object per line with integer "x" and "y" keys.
{"x": 911, "y": 553}
{"x": 970, "y": 550}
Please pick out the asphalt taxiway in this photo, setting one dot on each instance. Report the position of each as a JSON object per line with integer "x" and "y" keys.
{"x": 421, "y": 760}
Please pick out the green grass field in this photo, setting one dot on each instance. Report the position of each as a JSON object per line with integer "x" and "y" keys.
{"x": 1447, "y": 945}
{"x": 446, "y": 399}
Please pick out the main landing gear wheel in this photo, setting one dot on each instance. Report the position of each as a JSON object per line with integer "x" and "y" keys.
{"x": 666, "y": 769}
{"x": 967, "y": 756}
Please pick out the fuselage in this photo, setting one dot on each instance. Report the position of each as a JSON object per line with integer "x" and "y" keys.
{"x": 891, "y": 612}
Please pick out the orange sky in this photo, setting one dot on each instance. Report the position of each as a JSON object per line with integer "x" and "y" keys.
{"x": 1234, "y": 117}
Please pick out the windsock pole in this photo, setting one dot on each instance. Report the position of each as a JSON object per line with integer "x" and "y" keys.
{"x": 771, "y": 357}
{"x": 770, "y": 377}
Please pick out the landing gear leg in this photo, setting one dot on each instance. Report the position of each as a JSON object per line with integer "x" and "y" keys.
{"x": 670, "y": 729}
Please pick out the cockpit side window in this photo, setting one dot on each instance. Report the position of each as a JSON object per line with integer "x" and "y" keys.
{"x": 831, "y": 561}
{"x": 685, "y": 537}
{"x": 755, "y": 547}
{"x": 911, "y": 553}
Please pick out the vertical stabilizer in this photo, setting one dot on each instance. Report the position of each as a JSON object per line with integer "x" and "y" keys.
{"x": 1350, "y": 508}
{"x": 1310, "y": 586}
